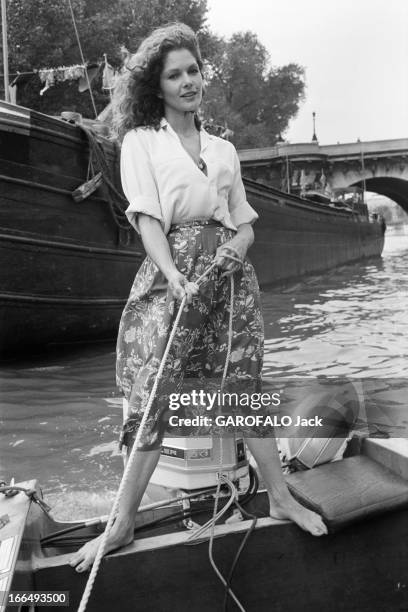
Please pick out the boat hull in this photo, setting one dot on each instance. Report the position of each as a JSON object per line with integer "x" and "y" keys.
{"x": 295, "y": 237}
{"x": 359, "y": 568}
{"x": 67, "y": 267}
{"x": 281, "y": 569}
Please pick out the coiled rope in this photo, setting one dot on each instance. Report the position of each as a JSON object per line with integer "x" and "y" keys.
{"x": 32, "y": 494}
{"x": 125, "y": 477}
{"x": 98, "y": 161}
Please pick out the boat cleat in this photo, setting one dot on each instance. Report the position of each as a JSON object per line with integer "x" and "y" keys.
{"x": 235, "y": 517}
{"x": 190, "y": 524}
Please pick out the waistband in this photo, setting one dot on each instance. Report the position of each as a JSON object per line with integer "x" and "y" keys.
{"x": 194, "y": 223}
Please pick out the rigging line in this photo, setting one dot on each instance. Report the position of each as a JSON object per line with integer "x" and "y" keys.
{"x": 5, "y": 50}
{"x": 363, "y": 169}
{"x": 287, "y": 174}
{"x": 82, "y": 58}
{"x": 18, "y": 73}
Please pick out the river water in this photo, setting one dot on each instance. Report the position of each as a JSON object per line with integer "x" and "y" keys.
{"x": 60, "y": 414}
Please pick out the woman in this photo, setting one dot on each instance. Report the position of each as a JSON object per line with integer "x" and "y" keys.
{"x": 187, "y": 201}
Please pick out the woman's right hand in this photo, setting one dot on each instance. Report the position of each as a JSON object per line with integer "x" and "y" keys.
{"x": 180, "y": 287}
{"x": 158, "y": 249}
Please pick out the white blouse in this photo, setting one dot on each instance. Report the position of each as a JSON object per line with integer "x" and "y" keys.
{"x": 160, "y": 179}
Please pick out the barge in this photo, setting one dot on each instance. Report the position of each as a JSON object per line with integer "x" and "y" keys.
{"x": 67, "y": 266}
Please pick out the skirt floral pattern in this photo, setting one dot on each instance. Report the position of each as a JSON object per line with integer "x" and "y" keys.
{"x": 197, "y": 355}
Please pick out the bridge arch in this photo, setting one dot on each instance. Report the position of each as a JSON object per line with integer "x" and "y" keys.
{"x": 394, "y": 188}
{"x": 382, "y": 165}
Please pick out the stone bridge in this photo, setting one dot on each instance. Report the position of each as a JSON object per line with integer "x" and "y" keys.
{"x": 379, "y": 166}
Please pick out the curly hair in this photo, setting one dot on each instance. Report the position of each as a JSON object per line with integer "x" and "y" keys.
{"x": 135, "y": 101}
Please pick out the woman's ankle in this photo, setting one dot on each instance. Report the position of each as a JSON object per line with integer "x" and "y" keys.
{"x": 124, "y": 524}
{"x": 280, "y": 497}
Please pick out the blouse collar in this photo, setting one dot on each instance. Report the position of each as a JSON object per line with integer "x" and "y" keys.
{"x": 205, "y": 137}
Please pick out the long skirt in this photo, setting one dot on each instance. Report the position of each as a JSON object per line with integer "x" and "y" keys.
{"x": 197, "y": 355}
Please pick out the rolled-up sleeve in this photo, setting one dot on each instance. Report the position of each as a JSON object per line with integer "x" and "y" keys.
{"x": 138, "y": 181}
{"x": 239, "y": 209}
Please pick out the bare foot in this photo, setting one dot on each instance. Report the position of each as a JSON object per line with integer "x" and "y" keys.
{"x": 85, "y": 556}
{"x": 292, "y": 510}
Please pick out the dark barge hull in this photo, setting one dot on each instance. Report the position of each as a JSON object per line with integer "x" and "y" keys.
{"x": 294, "y": 236}
{"x": 67, "y": 268}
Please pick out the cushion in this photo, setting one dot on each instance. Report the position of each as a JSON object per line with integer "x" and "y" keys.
{"x": 350, "y": 490}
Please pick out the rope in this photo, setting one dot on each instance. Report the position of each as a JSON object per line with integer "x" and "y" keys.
{"x": 194, "y": 537}
{"x": 97, "y": 157}
{"x": 221, "y": 478}
{"x": 82, "y": 58}
{"x": 125, "y": 477}
{"x": 210, "y": 547}
{"x": 11, "y": 490}
{"x": 197, "y": 533}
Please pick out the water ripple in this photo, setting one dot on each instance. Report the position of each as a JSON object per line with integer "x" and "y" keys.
{"x": 351, "y": 321}
{"x": 60, "y": 418}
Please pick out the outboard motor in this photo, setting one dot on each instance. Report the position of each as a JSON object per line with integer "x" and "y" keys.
{"x": 308, "y": 447}
{"x": 193, "y": 463}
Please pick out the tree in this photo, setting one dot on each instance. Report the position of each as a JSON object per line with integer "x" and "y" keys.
{"x": 244, "y": 92}
{"x": 41, "y": 35}
{"x": 246, "y": 95}
{"x": 284, "y": 91}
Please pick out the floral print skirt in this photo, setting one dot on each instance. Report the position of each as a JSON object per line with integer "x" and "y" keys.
{"x": 197, "y": 355}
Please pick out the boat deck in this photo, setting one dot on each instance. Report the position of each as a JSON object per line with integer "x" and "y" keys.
{"x": 360, "y": 565}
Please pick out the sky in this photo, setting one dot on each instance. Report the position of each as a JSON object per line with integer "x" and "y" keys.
{"x": 355, "y": 53}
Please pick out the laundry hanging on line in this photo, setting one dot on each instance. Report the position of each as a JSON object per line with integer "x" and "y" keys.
{"x": 51, "y": 76}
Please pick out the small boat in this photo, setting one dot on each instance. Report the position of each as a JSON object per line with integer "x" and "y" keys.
{"x": 322, "y": 198}
{"x": 360, "y": 566}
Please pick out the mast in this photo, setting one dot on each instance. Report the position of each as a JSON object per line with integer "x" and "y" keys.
{"x": 287, "y": 173}
{"x": 363, "y": 171}
{"x": 5, "y": 50}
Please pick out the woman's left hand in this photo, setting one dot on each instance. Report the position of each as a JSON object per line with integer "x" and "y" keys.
{"x": 229, "y": 256}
